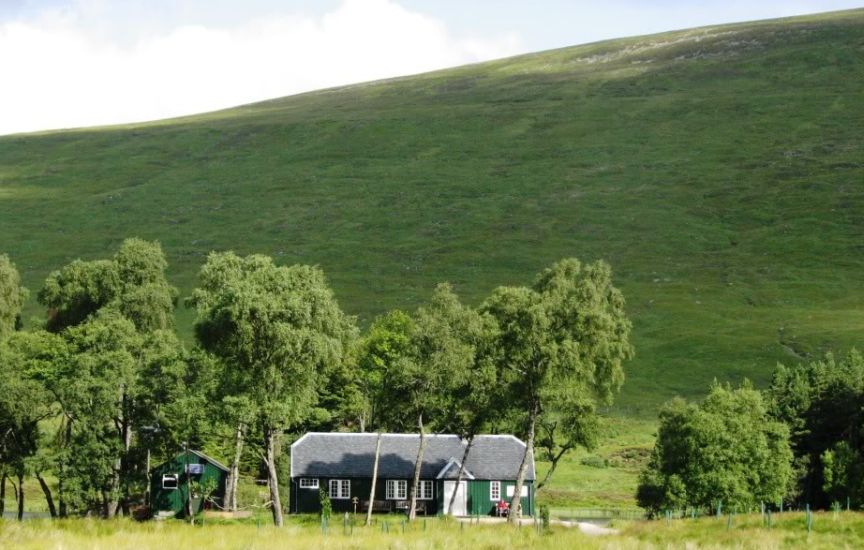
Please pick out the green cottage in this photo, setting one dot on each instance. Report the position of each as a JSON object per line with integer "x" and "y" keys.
{"x": 169, "y": 484}
{"x": 341, "y": 464}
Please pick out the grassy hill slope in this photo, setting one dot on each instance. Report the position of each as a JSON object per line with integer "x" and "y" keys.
{"x": 719, "y": 170}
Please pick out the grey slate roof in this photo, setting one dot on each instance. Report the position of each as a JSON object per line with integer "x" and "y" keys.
{"x": 492, "y": 457}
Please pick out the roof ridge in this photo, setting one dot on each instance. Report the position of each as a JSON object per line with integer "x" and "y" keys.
{"x": 210, "y": 459}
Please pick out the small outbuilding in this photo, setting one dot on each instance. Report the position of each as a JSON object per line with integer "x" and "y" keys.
{"x": 341, "y": 465}
{"x": 171, "y": 482}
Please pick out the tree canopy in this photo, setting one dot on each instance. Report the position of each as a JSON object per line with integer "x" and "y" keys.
{"x": 281, "y": 330}
{"x": 725, "y": 451}
{"x": 133, "y": 282}
{"x": 12, "y": 297}
{"x": 560, "y": 346}
{"x": 822, "y": 402}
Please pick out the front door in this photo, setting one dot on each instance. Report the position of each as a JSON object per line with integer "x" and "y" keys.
{"x": 460, "y": 505}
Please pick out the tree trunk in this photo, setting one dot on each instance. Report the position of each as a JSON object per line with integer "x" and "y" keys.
{"x": 516, "y": 503}
{"x": 61, "y": 474}
{"x": 20, "y": 497}
{"x": 554, "y": 460}
{"x": 412, "y": 510}
{"x": 234, "y": 476}
{"x": 272, "y": 441}
{"x": 122, "y": 494}
{"x": 188, "y": 504}
{"x": 147, "y": 494}
{"x": 461, "y": 472}
{"x": 374, "y": 479}
{"x": 111, "y": 501}
{"x": 48, "y": 498}
{"x": 106, "y": 504}
{"x": 2, "y": 494}
{"x": 126, "y": 467}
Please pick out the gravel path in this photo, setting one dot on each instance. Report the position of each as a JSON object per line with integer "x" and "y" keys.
{"x": 590, "y": 529}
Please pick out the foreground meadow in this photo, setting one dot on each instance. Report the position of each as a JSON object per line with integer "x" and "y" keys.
{"x": 829, "y": 530}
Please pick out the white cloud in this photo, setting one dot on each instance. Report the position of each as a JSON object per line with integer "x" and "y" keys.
{"x": 58, "y": 73}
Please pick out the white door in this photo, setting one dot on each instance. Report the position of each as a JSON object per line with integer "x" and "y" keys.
{"x": 460, "y": 505}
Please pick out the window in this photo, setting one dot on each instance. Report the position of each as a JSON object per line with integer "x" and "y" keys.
{"x": 195, "y": 469}
{"x": 424, "y": 492}
{"x": 397, "y": 489}
{"x": 495, "y": 491}
{"x": 308, "y": 482}
{"x": 512, "y": 488}
{"x": 340, "y": 488}
{"x": 169, "y": 481}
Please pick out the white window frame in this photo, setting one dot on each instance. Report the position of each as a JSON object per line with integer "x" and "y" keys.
{"x": 512, "y": 489}
{"x": 426, "y": 490}
{"x": 340, "y": 489}
{"x": 308, "y": 482}
{"x": 495, "y": 491}
{"x": 173, "y": 477}
{"x": 397, "y": 489}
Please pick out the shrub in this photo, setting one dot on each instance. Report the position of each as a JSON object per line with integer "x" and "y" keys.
{"x": 326, "y": 505}
{"x": 594, "y": 461}
{"x": 725, "y": 449}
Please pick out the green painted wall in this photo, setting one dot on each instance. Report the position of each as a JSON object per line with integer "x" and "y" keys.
{"x": 479, "y": 503}
{"x": 307, "y": 501}
{"x": 173, "y": 500}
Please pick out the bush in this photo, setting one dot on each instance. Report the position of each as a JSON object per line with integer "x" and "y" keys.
{"x": 326, "y": 505}
{"x": 725, "y": 449}
{"x": 594, "y": 461}
{"x": 544, "y": 515}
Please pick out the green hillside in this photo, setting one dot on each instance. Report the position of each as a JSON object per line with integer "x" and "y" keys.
{"x": 719, "y": 170}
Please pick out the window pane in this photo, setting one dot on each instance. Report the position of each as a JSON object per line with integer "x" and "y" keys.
{"x": 511, "y": 489}
{"x": 495, "y": 491}
{"x": 425, "y": 490}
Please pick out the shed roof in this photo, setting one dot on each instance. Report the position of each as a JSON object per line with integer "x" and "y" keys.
{"x": 210, "y": 459}
{"x": 492, "y": 457}
{"x": 199, "y": 454}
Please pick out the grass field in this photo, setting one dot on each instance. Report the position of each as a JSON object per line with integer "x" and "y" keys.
{"x": 845, "y": 530}
{"x": 719, "y": 170}
{"x": 604, "y": 478}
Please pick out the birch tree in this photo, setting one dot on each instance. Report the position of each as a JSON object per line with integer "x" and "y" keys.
{"x": 442, "y": 351}
{"x": 381, "y": 351}
{"x": 24, "y": 403}
{"x": 280, "y": 325}
{"x": 725, "y": 449}
{"x": 561, "y": 347}
{"x": 117, "y": 317}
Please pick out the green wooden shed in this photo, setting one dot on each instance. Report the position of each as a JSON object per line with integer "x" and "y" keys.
{"x": 170, "y": 484}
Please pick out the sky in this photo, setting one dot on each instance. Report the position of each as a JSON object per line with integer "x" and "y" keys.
{"x": 72, "y": 63}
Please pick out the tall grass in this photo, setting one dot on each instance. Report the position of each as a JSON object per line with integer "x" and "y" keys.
{"x": 121, "y": 535}
{"x": 830, "y": 531}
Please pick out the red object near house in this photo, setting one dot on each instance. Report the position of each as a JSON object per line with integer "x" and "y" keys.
{"x": 502, "y": 509}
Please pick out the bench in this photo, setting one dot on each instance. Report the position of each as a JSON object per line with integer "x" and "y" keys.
{"x": 377, "y": 506}
{"x": 405, "y": 505}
